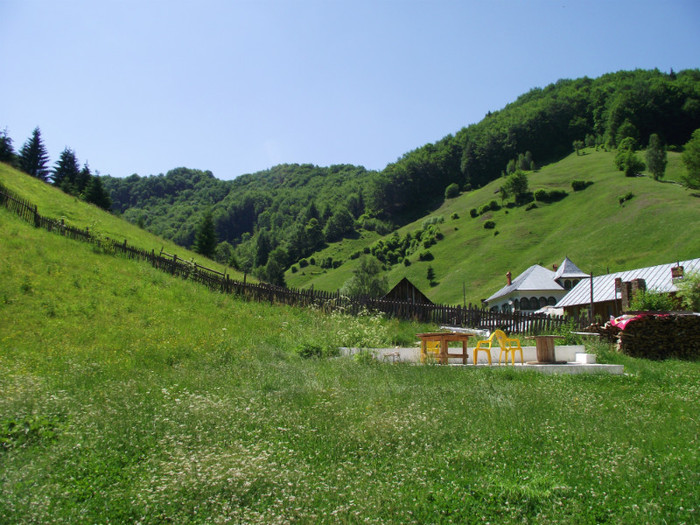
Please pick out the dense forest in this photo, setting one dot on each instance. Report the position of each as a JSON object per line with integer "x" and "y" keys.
{"x": 266, "y": 221}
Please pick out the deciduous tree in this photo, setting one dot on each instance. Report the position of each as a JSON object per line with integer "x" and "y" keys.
{"x": 691, "y": 159}
{"x": 516, "y": 185}
{"x": 366, "y": 280}
{"x": 656, "y": 157}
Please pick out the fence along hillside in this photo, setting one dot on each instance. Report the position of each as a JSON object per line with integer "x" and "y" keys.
{"x": 459, "y": 316}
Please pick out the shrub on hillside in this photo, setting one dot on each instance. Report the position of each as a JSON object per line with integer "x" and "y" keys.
{"x": 452, "y": 191}
{"x": 550, "y": 196}
{"x": 473, "y": 213}
{"x": 624, "y": 198}
{"x": 580, "y": 185}
{"x": 489, "y": 225}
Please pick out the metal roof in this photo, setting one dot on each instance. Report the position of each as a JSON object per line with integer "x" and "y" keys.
{"x": 657, "y": 278}
{"x": 568, "y": 270}
{"x": 535, "y": 277}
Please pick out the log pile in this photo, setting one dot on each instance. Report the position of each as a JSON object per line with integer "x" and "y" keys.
{"x": 606, "y": 331}
{"x": 662, "y": 336}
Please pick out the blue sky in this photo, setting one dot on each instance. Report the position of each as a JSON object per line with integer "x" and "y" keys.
{"x": 144, "y": 86}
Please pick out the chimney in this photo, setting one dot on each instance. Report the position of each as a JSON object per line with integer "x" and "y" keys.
{"x": 555, "y": 266}
{"x": 676, "y": 273}
{"x": 509, "y": 276}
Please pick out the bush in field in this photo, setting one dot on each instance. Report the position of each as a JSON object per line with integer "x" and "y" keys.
{"x": 580, "y": 185}
{"x": 452, "y": 191}
{"x": 624, "y": 198}
{"x": 651, "y": 301}
{"x": 489, "y": 225}
{"x": 550, "y": 196}
{"x": 689, "y": 292}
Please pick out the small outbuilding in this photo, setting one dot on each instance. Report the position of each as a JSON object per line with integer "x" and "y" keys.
{"x": 406, "y": 292}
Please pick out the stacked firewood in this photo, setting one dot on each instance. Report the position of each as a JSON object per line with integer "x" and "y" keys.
{"x": 606, "y": 331}
{"x": 662, "y": 336}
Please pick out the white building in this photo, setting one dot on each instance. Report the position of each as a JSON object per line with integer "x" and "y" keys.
{"x": 536, "y": 288}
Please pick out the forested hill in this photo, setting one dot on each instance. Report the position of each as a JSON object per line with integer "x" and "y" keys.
{"x": 295, "y": 206}
{"x": 289, "y": 211}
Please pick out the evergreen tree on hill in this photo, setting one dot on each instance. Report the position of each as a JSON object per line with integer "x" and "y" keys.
{"x": 205, "y": 240}
{"x": 7, "y": 150}
{"x": 33, "y": 158}
{"x": 96, "y": 194}
{"x": 65, "y": 172}
{"x": 83, "y": 179}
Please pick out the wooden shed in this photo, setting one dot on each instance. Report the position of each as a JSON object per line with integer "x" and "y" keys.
{"x": 406, "y": 292}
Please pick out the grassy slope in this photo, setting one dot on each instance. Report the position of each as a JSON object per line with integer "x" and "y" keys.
{"x": 660, "y": 224}
{"x": 53, "y": 203}
{"x": 128, "y": 395}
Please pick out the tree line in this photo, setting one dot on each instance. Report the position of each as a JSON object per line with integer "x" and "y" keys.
{"x": 66, "y": 174}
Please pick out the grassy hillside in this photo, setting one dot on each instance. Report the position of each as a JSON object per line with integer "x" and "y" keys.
{"x": 53, "y": 203}
{"x": 660, "y": 224}
{"x": 131, "y": 396}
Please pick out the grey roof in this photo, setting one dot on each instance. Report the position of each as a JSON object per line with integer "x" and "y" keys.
{"x": 534, "y": 278}
{"x": 657, "y": 278}
{"x": 568, "y": 270}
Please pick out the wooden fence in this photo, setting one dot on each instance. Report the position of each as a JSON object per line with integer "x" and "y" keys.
{"x": 458, "y": 316}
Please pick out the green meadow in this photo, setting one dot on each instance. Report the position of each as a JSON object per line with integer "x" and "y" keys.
{"x": 659, "y": 224}
{"x": 129, "y": 396}
{"x": 55, "y": 204}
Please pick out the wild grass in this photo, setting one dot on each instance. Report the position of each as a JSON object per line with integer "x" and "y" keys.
{"x": 130, "y": 396}
{"x": 55, "y": 204}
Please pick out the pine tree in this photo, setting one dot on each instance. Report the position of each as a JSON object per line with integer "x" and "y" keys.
{"x": 83, "y": 179}
{"x": 431, "y": 275}
{"x": 7, "y": 151}
{"x": 97, "y": 195}
{"x": 33, "y": 157}
{"x": 205, "y": 239}
{"x": 262, "y": 249}
{"x": 65, "y": 173}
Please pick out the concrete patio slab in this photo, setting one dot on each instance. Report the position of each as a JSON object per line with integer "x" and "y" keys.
{"x": 575, "y": 360}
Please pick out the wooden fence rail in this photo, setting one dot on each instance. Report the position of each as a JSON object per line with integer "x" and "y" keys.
{"x": 459, "y": 316}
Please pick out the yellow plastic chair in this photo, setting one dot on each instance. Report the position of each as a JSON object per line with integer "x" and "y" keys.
{"x": 432, "y": 350}
{"x": 508, "y": 345}
{"x": 485, "y": 346}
